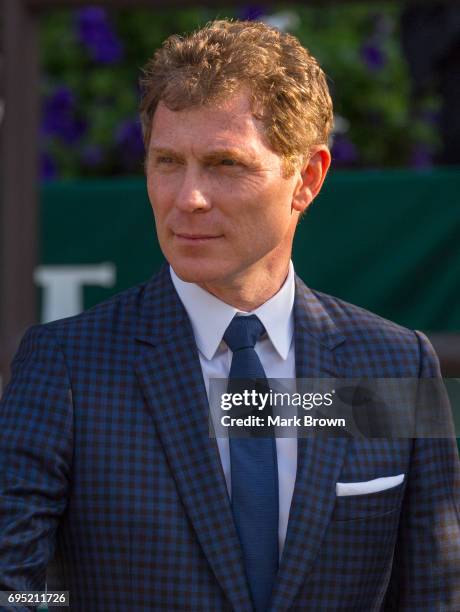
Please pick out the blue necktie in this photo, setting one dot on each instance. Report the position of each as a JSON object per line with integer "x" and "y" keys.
{"x": 254, "y": 471}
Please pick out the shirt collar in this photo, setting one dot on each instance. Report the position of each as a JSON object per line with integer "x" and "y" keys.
{"x": 210, "y": 317}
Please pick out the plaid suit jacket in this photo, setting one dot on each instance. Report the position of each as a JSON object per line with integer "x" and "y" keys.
{"x": 111, "y": 488}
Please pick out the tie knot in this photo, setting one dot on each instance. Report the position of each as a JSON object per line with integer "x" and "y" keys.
{"x": 243, "y": 332}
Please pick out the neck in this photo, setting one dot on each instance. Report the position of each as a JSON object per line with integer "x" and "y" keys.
{"x": 248, "y": 292}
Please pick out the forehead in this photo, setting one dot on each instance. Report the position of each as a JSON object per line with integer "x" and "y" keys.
{"x": 225, "y": 123}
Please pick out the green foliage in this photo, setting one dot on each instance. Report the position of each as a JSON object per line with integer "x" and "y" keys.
{"x": 90, "y": 83}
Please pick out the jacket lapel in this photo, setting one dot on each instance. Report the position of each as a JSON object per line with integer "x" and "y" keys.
{"x": 317, "y": 351}
{"x": 170, "y": 376}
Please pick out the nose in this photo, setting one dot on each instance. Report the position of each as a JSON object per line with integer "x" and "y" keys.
{"x": 193, "y": 192}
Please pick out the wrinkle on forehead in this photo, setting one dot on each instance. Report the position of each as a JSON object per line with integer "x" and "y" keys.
{"x": 228, "y": 120}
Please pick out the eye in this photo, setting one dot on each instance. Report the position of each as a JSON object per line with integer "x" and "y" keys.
{"x": 228, "y": 162}
{"x": 163, "y": 159}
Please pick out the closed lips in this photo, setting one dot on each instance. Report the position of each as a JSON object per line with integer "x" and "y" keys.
{"x": 196, "y": 236}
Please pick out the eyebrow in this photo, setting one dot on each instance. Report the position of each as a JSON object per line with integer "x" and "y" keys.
{"x": 211, "y": 156}
{"x": 163, "y": 151}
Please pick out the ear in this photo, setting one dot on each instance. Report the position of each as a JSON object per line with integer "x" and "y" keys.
{"x": 311, "y": 179}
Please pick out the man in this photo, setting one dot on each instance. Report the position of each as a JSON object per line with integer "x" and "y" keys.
{"x": 109, "y": 475}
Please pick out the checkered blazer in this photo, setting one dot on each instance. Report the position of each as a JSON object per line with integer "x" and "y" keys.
{"x": 111, "y": 488}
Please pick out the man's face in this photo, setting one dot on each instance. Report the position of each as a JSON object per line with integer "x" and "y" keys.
{"x": 222, "y": 207}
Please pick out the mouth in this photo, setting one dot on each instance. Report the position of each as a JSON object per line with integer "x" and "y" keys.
{"x": 196, "y": 238}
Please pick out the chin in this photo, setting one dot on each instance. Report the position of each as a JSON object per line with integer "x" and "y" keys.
{"x": 197, "y": 271}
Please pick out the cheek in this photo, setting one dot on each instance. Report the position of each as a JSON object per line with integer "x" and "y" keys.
{"x": 262, "y": 216}
{"x": 272, "y": 213}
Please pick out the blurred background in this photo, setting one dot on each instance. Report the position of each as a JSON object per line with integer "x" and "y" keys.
{"x": 384, "y": 118}
{"x": 75, "y": 222}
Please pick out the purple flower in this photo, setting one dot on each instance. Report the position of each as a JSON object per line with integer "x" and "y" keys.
{"x": 48, "y": 168}
{"x": 130, "y": 143}
{"x": 344, "y": 152}
{"x": 62, "y": 100}
{"x": 73, "y": 131}
{"x": 97, "y": 36}
{"x": 421, "y": 156}
{"x": 92, "y": 155}
{"x": 59, "y": 116}
{"x": 373, "y": 56}
{"x": 252, "y": 12}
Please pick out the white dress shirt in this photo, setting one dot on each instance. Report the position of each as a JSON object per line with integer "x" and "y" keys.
{"x": 210, "y": 317}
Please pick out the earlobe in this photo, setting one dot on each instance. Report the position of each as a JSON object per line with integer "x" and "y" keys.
{"x": 302, "y": 200}
{"x": 298, "y": 203}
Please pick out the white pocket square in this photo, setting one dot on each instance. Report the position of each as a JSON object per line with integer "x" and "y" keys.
{"x": 369, "y": 486}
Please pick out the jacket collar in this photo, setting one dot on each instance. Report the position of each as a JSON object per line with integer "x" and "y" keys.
{"x": 312, "y": 318}
{"x": 162, "y": 313}
{"x": 162, "y": 316}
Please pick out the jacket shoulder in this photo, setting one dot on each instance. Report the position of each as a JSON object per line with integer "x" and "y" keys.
{"x": 122, "y": 306}
{"x": 111, "y": 322}
{"x": 355, "y": 320}
{"x": 378, "y": 345}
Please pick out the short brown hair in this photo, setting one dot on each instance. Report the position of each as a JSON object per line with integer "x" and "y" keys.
{"x": 289, "y": 92}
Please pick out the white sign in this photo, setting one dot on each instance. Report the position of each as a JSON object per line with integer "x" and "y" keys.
{"x": 63, "y": 287}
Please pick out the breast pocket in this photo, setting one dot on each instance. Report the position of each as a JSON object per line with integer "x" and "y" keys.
{"x": 368, "y": 506}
